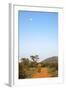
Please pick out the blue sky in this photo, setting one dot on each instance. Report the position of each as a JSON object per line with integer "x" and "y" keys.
{"x": 38, "y": 34}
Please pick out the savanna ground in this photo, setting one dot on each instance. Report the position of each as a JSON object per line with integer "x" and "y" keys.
{"x": 34, "y": 69}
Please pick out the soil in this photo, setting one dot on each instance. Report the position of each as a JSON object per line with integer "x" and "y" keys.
{"x": 41, "y": 73}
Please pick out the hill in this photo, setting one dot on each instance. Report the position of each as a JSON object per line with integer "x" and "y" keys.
{"x": 53, "y": 59}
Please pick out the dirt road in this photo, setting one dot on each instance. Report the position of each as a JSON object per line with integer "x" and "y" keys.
{"x": 42, "y": 74}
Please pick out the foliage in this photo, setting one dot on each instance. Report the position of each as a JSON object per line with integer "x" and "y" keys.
{"x": 28, "y": 67}
{"x": 34, "y": 58}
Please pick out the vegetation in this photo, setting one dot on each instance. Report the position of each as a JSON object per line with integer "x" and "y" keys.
{"x": 31, "y": 68}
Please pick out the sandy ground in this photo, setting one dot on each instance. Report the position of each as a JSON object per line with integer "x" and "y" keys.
{"x": 43, "y": 72}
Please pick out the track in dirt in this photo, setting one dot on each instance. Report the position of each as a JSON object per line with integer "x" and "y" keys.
{"x": 42, "y": 74}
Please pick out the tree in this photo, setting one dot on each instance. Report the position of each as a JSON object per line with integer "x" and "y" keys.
{"x": 24, "y": 68}
{"x": 25, "y": 61}
{"x": 34, "y": 58}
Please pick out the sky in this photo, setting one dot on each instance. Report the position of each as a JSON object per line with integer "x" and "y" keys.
{"x": 38, "y": 34}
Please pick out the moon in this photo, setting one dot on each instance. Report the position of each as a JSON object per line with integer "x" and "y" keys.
{"x": 30, "y": 19}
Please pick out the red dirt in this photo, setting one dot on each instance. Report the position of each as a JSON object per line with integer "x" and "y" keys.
{"x": 43, "y": 73}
